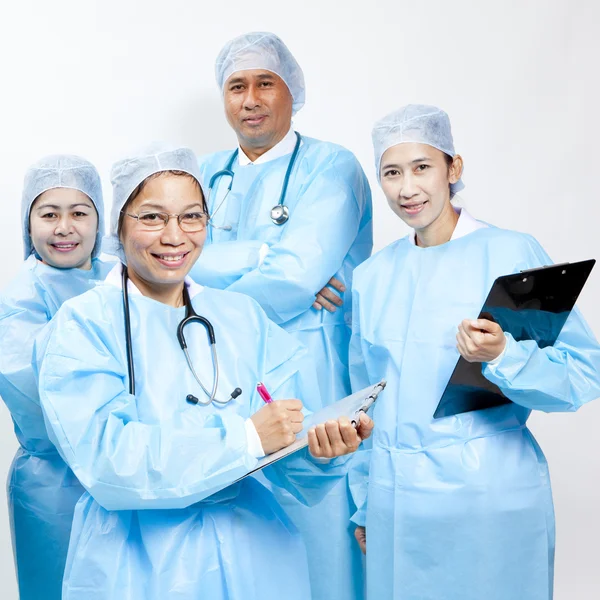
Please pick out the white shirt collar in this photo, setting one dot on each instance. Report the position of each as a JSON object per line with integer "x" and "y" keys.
{"x": 466, "y": 224}
{"x": 114, "y": 278}
{"x": 285, "y": 146}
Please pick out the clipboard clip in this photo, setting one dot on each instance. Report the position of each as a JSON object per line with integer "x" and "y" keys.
{"x": 544, "y": 267}
{"x": 369, "y": 401}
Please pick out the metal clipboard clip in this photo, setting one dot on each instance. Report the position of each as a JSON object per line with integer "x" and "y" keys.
{"x": 544, "y": 267}
{"x": 369, "y": 401}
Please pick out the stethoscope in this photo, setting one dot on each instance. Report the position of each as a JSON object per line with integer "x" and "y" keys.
{"x": 190, "y": 317}
{"x": 279, "y": 213}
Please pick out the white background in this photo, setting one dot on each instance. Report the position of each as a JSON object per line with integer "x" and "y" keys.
{"x": 519, "y": 79}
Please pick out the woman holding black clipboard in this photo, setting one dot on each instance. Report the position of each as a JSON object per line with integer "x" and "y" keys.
{"x": 457, "y": 508}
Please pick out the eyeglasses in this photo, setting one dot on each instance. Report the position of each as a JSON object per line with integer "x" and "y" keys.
{"x": 190, "y": 222}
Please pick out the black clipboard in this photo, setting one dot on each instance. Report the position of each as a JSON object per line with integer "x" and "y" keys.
{"x": 530, "y": 305}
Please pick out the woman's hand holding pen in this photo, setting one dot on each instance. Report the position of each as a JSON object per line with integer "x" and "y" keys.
{"x": 277, "y": 424}
{"x": 480, "y": 340}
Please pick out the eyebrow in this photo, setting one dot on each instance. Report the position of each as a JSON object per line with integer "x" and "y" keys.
{"x": 57, "y": 207}
{"x": 412, "y": 162}
{"x": 161, "y": 208}
{"x": 262, "y": 76}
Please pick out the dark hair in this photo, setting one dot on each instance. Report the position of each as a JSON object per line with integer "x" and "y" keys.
{"x": 138, "y": 190}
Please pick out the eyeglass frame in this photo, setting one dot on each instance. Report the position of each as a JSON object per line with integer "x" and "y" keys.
{"x": 168, "y": 217}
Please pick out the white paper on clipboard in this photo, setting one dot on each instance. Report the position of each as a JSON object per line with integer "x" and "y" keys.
{"x": 349, "y": 407}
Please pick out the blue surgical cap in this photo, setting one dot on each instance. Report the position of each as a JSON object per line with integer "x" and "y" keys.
{"x": 415, "y": 123}
{"x": 61, "y": 171}
{"x": 128, "y": 173}
{"x": 261, "y": 50}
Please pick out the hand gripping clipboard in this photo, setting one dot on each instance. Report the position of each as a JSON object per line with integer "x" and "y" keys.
{"x": 530, "y": 305}
{"x": 350, "y": 406}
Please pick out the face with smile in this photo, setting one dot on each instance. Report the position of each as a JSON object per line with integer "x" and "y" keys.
{"x": 416, "y": 181}
{"x": 159, "y": 258}
{"x": 258, "y": 106}
{"x": 63, "y": 224}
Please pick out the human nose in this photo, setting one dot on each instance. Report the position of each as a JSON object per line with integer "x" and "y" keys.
{"x": 409, "y": 187}
{"x": 251, "y": 100}
{"x": 172, "y": 233}
{"x": 64, "y": 226}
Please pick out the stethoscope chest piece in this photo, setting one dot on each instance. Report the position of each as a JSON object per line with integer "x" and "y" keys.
{"x": 280, "y": 214}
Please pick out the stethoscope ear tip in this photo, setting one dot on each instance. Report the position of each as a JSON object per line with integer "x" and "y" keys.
{"x": 191, "y": 399}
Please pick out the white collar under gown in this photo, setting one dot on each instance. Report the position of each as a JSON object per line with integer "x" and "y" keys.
{"x": 42, "y": 490}
{"x": 149, "y": 526}
{"x": 458, "y": 508}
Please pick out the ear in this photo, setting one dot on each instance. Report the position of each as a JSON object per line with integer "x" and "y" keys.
{"x": 456, "y": 168}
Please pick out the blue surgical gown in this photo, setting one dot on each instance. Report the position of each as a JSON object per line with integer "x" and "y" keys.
{"x": 155, "y": 521}
{"x": 458, "y": 508}
{"x": 42, "y": 490}
{"x": 329, "y": 233}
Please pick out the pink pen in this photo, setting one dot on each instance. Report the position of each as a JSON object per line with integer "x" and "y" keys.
{"x": 263, "y": 392}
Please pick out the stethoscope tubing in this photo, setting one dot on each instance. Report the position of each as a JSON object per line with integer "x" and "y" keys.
{"x": 190, "y": 317}
{"x": 279, "y": 209}
{"x": 128, "y": 342}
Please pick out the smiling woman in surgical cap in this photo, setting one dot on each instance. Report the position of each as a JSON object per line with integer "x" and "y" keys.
{"x": 63, "y": 222}
{"x": 164, "y": 515}
{"x": 458, "y": 508}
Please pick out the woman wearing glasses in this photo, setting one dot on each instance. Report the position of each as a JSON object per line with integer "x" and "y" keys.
{"x": 160, "y": 518}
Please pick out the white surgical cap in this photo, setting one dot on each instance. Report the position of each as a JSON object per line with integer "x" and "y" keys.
{"x": 128, "y": 173}
{"x": 261, "y": 50}
{"x": 61, "y": 171}
{"x": 415, "y": 123}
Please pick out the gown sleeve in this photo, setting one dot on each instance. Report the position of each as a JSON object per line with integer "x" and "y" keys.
{"x": 561, "y": 377}
{"x": 318, "y": 236}
{"x": 23, "y": 314}
{"x": 223, "y": 263}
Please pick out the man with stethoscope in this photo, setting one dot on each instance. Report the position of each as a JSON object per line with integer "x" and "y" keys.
{"x": 287, "y": 213}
